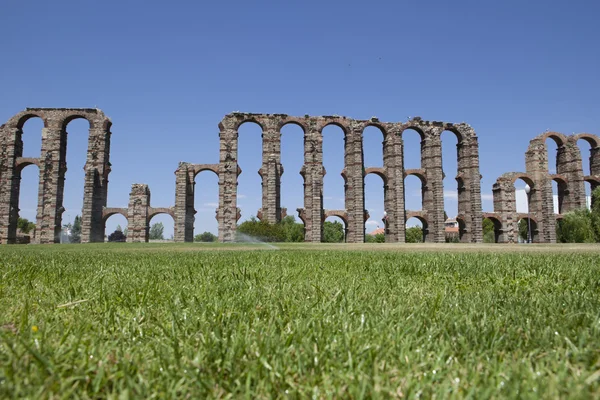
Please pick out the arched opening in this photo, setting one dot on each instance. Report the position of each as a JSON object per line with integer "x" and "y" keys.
{"x": 206, "y": 202}
{"x": 76, "y": 134}
{"x": 373, "y": 142}
{"x": 161, "y": 228}
{"x": 528, "y": 230}
{"x": 333, "y": 161}
{"x": 559, "y": 189}
{"x": 589, "y": 186}
{"x": 335, "y": 230}
{"x": 113, "y": 224}
{"x": 412, "y": 143}
{"x": 249, "y": 189}
{"x": 31, "y": 139}
{"x": 585, "y": 149}
{"x": 292, "y": 160}
{"x": 492, "y": 229}
{"x": 552, "y": 150}
{"x": 523, "y": 206}
{"x": 413, "y": 193}
{"x": 374, "y": 202}
{"x": 450, "y": 170}
{"x": 522, "y": 198}
{"x": 416, "y": 230}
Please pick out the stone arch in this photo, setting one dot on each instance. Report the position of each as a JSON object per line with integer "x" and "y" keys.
{"x": 593, "y": 140}
{"x": 559, "y": 138}
{"x": 341, "y": 214}
{"x": 379, "y": 171}
{"x": 422, "y": 217}
{"x": 108, "y": 212}
{"x": 562, "y": 189}
{"x": 205, "y": 167}
{"x": 154, "y": 211}
{"x": 23, "y": 162}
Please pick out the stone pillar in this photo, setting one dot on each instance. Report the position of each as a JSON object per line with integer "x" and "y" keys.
{"x": 433, "y": 194}
{"x": 52, "y": 183}
{"x": 594, "y": 164}
{"x": 228, "y": 173}
{"x": 184, "y": 203}
{"x": 393, "y": 162}
{"x": 469, "y": 184}
{"x": 270, "y": 172}
{"x": 11, "y": 147}
{"x": 97, "y": 168}
{"x": 541, "y": 198}
{"x": 355, "y": 186}
{"x": 313, "y": 173}
{"x": 506, "y": 210}
{"x": 137, "y": 213}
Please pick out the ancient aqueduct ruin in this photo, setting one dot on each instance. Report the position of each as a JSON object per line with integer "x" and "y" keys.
{"x": 52, "y": 166}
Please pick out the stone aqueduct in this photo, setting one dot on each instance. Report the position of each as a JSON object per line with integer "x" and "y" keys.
{"x": 52, "y": 166}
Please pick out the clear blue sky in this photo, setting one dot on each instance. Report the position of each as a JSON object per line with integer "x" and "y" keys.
{"x": 167, "y": 72}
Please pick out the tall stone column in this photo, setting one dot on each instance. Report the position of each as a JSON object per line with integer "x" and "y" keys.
{"x": 97, "y": 168}
{"x": 184, "y": 203}
{"x": 469, "y": 184}
{"x": 355, "y": 184}
{"x": 313, "y": 172}
{"x": 52, "y": 183}
{"x": 137, "y": 213}
{"x": 506, "y": 210}
{"x": 432, "y": 163}
{"x": 541, "y": 200}
{"x": 228, "y": 154}
{"x": 393, "y": 161}
{"x": 11, "y": 147}
{"x": 271, "y": 172}
{"x": 594, "y": 164}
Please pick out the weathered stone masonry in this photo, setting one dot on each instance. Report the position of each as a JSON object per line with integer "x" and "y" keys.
{"x": 52, "y": 165}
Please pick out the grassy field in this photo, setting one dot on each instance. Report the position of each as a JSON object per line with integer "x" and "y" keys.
{"x": 337, "y": 321}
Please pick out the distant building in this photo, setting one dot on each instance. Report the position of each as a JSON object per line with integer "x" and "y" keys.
{"x": 378, "y": 231}
{"x": 451, "y": 229}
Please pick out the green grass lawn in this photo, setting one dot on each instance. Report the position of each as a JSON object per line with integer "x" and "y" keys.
{"x": 198, "y": 320}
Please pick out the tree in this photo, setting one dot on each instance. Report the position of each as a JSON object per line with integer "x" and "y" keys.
{"x": 524, "y": 229}
{"x": 489, "y": 234}
{"x": 576, "y": 227}
{"x": 294, "y": 231}
{"x": 414, "y": 234}
{"x": 118, "y": 228}
{"x": 156, "y": 231}
{"x": 25, "y": 226}
{"x": 253, "y": 229}
{"x": 205, "y": 237}
{"x": 595, "y": 214}
{"x": 379, "y": 238}
{"x": 117, "y": 236}
{"x": 75, "y": 236}
{"x": 333, "y": 232}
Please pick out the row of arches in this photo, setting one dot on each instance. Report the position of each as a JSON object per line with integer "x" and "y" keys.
{"x": 45, "y": 181}
{"x": 314, "y": 190}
